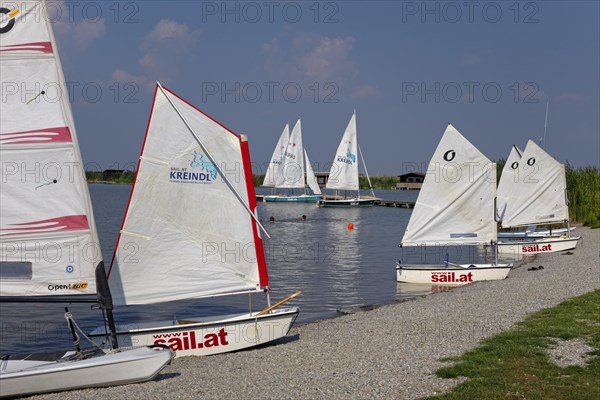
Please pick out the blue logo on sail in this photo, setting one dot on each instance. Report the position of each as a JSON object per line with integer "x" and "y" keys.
{"x": 348, "y": 159}
{"x": 201, "y": 170}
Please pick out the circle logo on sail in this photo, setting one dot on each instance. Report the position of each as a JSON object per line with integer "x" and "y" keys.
{"x": 531, "y": 161}
{"x": 514, "y": 165}
{"x": 11, "y": 19}
{"x": 449, "y": 155}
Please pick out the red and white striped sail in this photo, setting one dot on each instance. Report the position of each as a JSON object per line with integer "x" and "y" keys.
{"x": 541, "y": 194}
{"x": 186, "y": 234}
{"x": 48, "y": 240}
{"x": 456, "y": 203}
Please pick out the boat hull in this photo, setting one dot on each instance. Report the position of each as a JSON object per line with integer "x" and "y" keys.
{"x": 26, "y": 376}
{"x": 517, "y": 248}
{"x": 291, "y": 199}
{"x": 439, "y": 274}
{"x": 356, "y": 202}
{"x": 203, "y": 336}
{"x": 537, "y": 234}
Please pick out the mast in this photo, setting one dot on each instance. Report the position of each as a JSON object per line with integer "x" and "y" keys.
{"x": 366, "y": 172}
{"x": 546, "y": 123}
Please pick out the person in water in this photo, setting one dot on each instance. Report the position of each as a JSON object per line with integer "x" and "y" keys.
{"x": 303, "y": 217}
{"x": 271, "y": 219}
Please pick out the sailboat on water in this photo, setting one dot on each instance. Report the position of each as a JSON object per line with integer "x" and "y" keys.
{"x": 287, "y": 170}
{"x": 537, "y": 194}
{"x": 455, "y": 207}
{"x": 343, "y": 174}
{"x": 192, "y": 221}
{"x": 49, "y": 248}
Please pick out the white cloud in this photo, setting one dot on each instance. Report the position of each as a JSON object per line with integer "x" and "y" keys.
{"x": 365, "y": 92}
{"x": 77, "y": 35}
{"x": 164, "y": 48}
{"x": 313, "y": 58}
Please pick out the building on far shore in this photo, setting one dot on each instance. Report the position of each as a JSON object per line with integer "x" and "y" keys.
{"x": 410, "y": 181}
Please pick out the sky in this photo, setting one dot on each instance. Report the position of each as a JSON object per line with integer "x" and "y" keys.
{"x": 407, "y": 68}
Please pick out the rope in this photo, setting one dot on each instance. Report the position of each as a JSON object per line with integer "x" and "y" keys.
{"x": 69, "y": 317}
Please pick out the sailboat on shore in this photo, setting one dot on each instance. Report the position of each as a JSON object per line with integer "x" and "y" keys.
{"x": 343, "y": 174}
{"x": 508, "y": 181}
{"x": 192, "y": 221}
{"x": 288, "y": 170}
{"x": 536, "y": 195}
{"x": 455, "y": 207}
{"x": 49, "y": 248}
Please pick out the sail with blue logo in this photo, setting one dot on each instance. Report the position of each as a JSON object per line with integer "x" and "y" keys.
{"x": 456, "y": 202}
{"x": 343, "y": 174}
{"x": 187, "y": 232}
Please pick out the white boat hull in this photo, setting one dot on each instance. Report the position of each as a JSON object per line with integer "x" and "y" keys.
{"x": 536, "y": 234}
{"x": 27, "y": 377}
{"x": 517, "y": 248}
{"x": 207, "y": 336}
{"x": 459, "y": 275}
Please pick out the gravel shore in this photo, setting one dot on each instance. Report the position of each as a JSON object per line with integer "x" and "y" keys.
{"x": 389, "y": 352}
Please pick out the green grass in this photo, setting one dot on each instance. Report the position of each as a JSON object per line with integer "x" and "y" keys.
{"x": 125, "y": 178}
{"x": 514, "y": 365}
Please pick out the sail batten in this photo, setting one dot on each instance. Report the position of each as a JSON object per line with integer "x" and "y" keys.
{"x": 456, "y": 202}
{"x": 195, "y": 232}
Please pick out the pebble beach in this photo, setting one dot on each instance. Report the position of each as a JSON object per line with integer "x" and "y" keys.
{"x": 391, "y": 351}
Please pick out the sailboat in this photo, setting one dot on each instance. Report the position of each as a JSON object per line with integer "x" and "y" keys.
{"x": 455, "y": 207}
{"x": 343, "y": 174}
{"x": 289, "y": 172}
{"x": 49, "y": 248}
{"x": 538, "y": 195}
{"x": 192, "y": 221}
{"x": 277, "y": 158}
{"x": 508, "y": 181}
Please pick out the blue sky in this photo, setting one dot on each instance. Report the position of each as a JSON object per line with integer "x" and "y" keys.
{"x": 408, "y": 68}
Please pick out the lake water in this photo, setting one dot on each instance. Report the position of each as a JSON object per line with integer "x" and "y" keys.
{"x": 334, "y": 267}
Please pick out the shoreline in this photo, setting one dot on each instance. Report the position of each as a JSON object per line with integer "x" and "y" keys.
{"x": 391, "y": 351}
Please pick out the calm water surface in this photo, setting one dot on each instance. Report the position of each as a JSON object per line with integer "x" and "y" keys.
{"x": 333, "y": 266}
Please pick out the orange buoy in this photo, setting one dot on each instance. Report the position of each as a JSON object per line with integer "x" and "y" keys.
{"x": 350, "y": 226}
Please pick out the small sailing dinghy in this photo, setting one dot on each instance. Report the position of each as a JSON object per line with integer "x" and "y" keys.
{"x": 49, "y": 249}
{"x": 455, "y": 207}
{"x": 192, "y": 221}
{"x": 536, "y": 195}
{"x": 343, "y": 174}
{"x": 508, "y": 180}
{"x": 288, "y": 173}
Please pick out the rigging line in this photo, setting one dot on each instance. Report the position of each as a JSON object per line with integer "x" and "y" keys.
{"x": 366, "y": 172}
{"x": 210, "y": 157}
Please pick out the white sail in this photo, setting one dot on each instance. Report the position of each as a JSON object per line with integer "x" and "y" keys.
{"x": 292, "y": 170}
{"x": 48, "y": 241}
{"x": 311, "y": 179}
{"x": 276, "y": 162}
{"x": 343, "y": 174}
{"x": 508, "y": 180}
{"x": 541, "y": 193}
{"x": 185, "y": 227}
{"x": 456, "y": 203}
